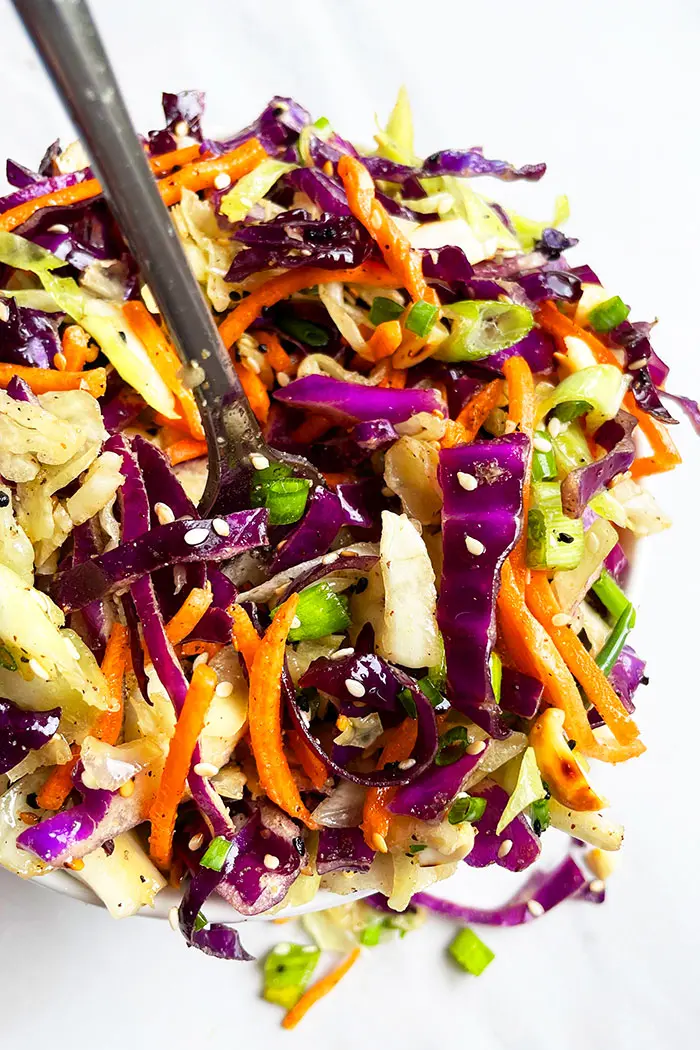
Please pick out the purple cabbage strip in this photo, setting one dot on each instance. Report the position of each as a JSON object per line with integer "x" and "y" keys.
{"x": 537, "y": 348}
{"x": 161, "y": 481}
{"x": 627, "y": 675}
{"x": 41, "y": 188}
{"x": 276, "y": 128}
{"x": 582, "y": 484}
{"x": 342, "y": 849}
{"x": 553, "y": 242}
{"x": 525, "y": 847}
{"x": 185, "y": 106}
{"x": 377, "y": 677}
{"x": 520, "y": 694}
{"x": 490, "y": 514}
{"x": 122, "y": 410}
{"x": 19, "y": 390}
{"x": 357, "y": 564}
{"x": 431, "y": 794}
{"x": 355, "y": 402}
{"x": 566, "y": 880}
{"x": 23, "y": 731}
{"x": 322, "y": 189}
{"x": 313, "y": 536}
{"x": 29, "y": 337}
{"x": 472, "y": 162}
{"x": 94, "y": 615}
{"x": 690, "y": 408}
{"x": 644, "y": 365}
{"x": 550, "y": 284}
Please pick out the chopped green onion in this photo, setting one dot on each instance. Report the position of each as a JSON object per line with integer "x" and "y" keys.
{"x": 323, "y": 125}
{"x": 287, "y": 971}
{"x": 304, "y": 331}
{"x": 496, "y": 667}
{"x": 408, "y": 703}
{"x": 421, "y": 318}
{"x": 200, "y": 922}
{"x": 384, "y": 309}
{"x": 607, "y": 657}
{"x": 470, "y": 953}
{"x": 284, "y": 496}
{"x": 7, "y": 660}
{"x": 470, "y": 808}
{"x": 438, "y": 673}
{"x": 554, "y": 541}
{"x": 608, "y": 315}
{"x": 483, "y": 327}
{"x": 570, "y": 449}
{"x": 369, "y": 937}
{"x": 452, "y": 746}
{"x": 216, "y": 853}
{"x": 320, "y": 612}
{"x": 571, "y": 410}
{"x": 417, "y": 847}
{"x": 601, "y": 386}
{"x": 612, "y": 597}
{"x": 544, "y": 465}
{"x": 539, "y": 811}
{"x": 431, "y": 691}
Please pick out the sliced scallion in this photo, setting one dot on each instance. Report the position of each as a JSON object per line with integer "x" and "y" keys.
{"x": 539, "y": 811}
{"x": 470, "y": 953}
{"x": 612, "y": 597}
{"x": 216, "y": 853}
{"x": 421, "y": 318}
{"x": 408, "y": 702}
{"x": 608, "y": 315}
{"x": 496, "y": 667}
{"x": 320, "y": 612}
{"x": 453, "y": 745}
{"x": 287, "y": 971}
{"x": 470, "y": 808}
{"x": 544, "y": 465}
{"x": 483, "y": 327}
{"x": 554, "y": 541}
{"x": 383, "y": 309}
{"x": 607, "y": 657}
{"x": 303, "y": 330}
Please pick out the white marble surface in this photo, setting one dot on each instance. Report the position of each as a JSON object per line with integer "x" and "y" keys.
{"x": 607, "y": 93}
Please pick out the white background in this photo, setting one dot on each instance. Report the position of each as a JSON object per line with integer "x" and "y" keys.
{"x": 607, "y": 94}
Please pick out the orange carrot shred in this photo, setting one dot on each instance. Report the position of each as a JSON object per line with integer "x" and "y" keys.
{"x": 245, "y": 638}
{"x": 177, "y": 764}
{"x": 375, "y": 815}
{"x": 309, "y": 762}
{"x": 255, "y": 391}
{"x": 264, "y": 713}
{"x": 198, "y": 647}
{"x": 45, "y": 380}
{"x": 455, "y": 434}
{"x": 319, "y": 990}
{"x": 75, "y": 344}
{"x": 521, "y": 413}
{"x": 181, "y": 625}
{"x": 108, "y": 725}
{"x": 185, "y": 450}
{"x": 311, "y": 429}
{"x": 274, "y": 351}
{"x": 476, "y": 411}
{"x": 385, "y": 339}
{"x": 59, "y": 783}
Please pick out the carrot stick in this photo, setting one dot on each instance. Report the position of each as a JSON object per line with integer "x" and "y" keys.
{"x": 198, "y": 647}
{"x": 108, "y": 725}
{"x": 540, "y": 598}
{"x": 455, "y": 434}
{"x": 375, "y": 815}
{"x": 309, "y": 762}
{"x": 59, "y": 783}
{"x": 521, "y": 414}
{"x": 245, "y": 638}
{"x": 264, "y": 713}
{"x": 185, "y": 450}
{"x": 286, "y": 284}
{"x": 395, "y": 378}
{"x": 255, "y": 391}
{"x": 479, "y": 408}
{"x": 319, "y": 990}
{"x": 385, "y": 339}
{"x": 75, "y": 345}
{"x": 177, "y": 764}
{"x": 311, "y": 430}
{"x": 274, "y": 352}
{"x": 45, "y": 380}
{"x": 665, "y": 455}
{"x": 189, "y": 614}
{"x": 176, "y": 158}
{"x": 195, "y": 176}
{"x": 168, "y": 364}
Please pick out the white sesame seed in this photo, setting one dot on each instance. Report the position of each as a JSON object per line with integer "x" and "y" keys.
{"x": 474, "y": 546}
{"x": 295, "y": 624}
{"x": 164, "y": 513}
{"x": 271, "y": 862}
{"x": 476, "y": 748}
{"x": 541, "y": 444}
{"x": 221, "y": 527}
{"x": 505, "y": 848}
{"x": 340, "y": 654}
{"x": 206, "y": 769}
{"x": 510, "y": 426}
{"x": 379, "y": 843}
{"x": 222, "y": 180}
{"x": 328, "y": 559}
{"x": 173, "y": 918}
{"x": 259, "y": 462}
{"x": 181, "y": 128}
{"x": 196, "y": 536}
{"x": 252, "y": 364}
{"x": 561, "y": 620}
{"x": 636, "y": 365}
{"x": 407, "y": 763}
{"x": 535, "y": 909}
{"x": 58, "y": 227}
{"x": 467, "y": 481}
{"x": 196, "y": 841}
{"x": 40, "y": 671}
{"x": 461, "y": 794}
{"x": 597, "y": 886}
{"x": 354, "y": 687}
{"x": 224, "y": 689}
{"x": 555, "y": 426}
{"x": 283, "y": 379}
{"x": 203, "y": 658}
{"x": 592, "y": 542}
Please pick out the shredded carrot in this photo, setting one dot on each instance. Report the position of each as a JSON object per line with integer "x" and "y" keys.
{"x": 313, "y": 428}
{"x": 75, "y": 344}
{"x": 185, "y": 450}
{"x": 274, "y": 352}
{"x": 177, "y": 764}
{"x": 476, "y": 411}
{"x": 394, "y": 378}
{"x": 375, "y": 815}
{"x": 198, "y": 647}
{"x": 333, "y": 479}
{"x": 45, "y": 380}
{"x": 255, "y": 391}
{"x": 59, "y": 783}
{"x": 521, "y": 413}
{"x": 245, "y": 638}
{"x": 175, "y": 159}
{"x": 277, "y": 288}
{"x": 540, "y": 598}
{"x": 455, "y": 434}
{"x": 264, "y": 713}
{"x": 665, "y": 455}
{"x": 178, "y": 426}
{"x": 189, "y": 614}
{"x": 319, "y": 990}
{"x": 309, "y": 762}
{"x": 108, "y": 725}
{"x": 385, "y": 339}
{"x": 162, "y": 354}
{"x": 194, "y": 176}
